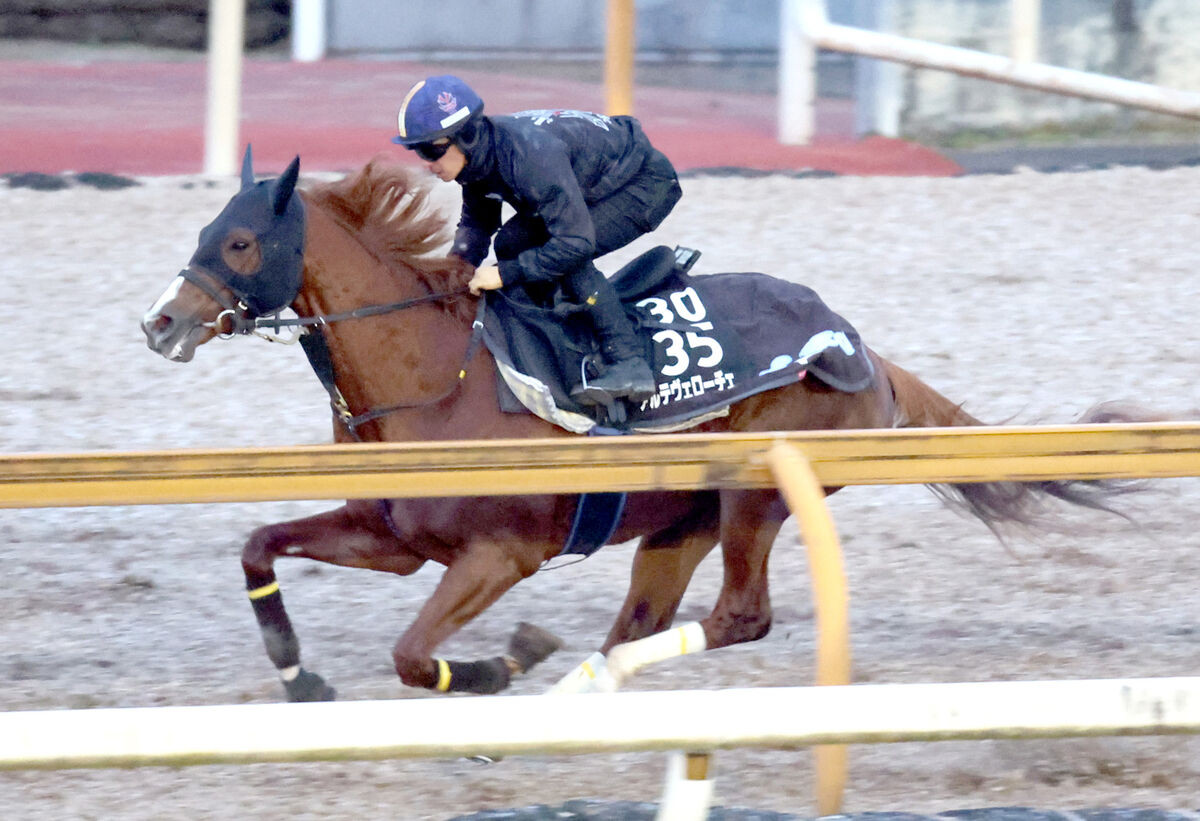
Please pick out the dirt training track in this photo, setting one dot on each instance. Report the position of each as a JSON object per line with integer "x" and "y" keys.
{"x": 1028, "y": 296}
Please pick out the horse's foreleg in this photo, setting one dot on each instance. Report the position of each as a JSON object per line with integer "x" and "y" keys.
{"x": 337, "y": 537}
{"x": 470, "y": 585}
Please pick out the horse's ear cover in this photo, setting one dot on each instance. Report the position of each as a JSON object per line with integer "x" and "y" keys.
{"x": 282, "y": 188}
{"x": 247, "y": 169}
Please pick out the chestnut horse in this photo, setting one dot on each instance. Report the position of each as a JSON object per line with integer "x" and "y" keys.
{"x": 406, "y": 370}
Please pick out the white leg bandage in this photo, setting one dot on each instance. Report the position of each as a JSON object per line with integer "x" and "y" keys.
{"x": 626, "y": 659}
{"x": 586, "y": 678}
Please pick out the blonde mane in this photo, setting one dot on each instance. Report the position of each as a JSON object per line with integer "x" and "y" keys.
{"x": 387, "y": 208}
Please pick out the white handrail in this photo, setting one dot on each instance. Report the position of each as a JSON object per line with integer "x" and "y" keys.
{"x": 699, "y": 720}
{"x": 806, "y": 28}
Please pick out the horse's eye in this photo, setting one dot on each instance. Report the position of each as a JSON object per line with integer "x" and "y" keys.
{"x": 239, "y": 245}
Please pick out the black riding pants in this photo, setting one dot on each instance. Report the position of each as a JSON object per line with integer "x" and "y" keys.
{"x": 636, "y": 209}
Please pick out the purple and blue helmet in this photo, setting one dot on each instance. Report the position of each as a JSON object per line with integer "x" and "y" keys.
{"x": 434, "y": 108}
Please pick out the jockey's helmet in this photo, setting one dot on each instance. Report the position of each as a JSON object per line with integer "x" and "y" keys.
{"x": 434, "y": 108}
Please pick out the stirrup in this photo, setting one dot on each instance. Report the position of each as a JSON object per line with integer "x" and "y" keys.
{"x": 613, "y": 407}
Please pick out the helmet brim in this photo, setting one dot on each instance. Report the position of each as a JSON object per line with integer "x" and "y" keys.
{"x": 449, "y": 131}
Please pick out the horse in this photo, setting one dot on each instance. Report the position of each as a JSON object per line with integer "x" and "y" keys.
{"x": 357, "y": 261}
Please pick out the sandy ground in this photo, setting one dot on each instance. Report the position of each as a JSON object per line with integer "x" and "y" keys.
{"x": 1028, "y": 297}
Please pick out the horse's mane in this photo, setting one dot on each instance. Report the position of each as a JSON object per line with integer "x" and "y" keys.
{"x": 389, "y": 210}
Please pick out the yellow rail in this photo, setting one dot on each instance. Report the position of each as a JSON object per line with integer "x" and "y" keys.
{"x": 570, "y": 465}
{"x": 800, "y": 464}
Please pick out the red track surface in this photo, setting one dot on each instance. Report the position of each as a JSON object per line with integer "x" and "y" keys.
{"x": 147, "y": 118}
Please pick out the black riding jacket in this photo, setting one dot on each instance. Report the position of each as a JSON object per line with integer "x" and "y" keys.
{"x": 549, "y": 164}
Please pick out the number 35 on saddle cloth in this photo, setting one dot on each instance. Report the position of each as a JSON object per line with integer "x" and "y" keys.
{"x": 711, "y": 340}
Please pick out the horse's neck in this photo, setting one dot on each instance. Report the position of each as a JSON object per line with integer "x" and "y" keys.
{"x": 406, "y": 357}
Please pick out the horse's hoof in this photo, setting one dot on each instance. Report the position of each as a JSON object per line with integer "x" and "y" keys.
{"x": 309, "y": 687}
{"x": 484, "y": 759}
{"x": 531, "y": 644}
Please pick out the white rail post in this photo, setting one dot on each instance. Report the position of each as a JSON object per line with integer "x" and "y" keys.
{"x": 688, "y": 793}
{"x": 309, "y": 38}
{"x": 878, "y": 84}
{"x": 798, "y": 69}
{"x": 226, "y": 35}
{"x": 1026, "y": 24}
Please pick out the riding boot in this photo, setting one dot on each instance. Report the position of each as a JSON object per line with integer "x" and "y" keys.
{"x": 626, "y": 374}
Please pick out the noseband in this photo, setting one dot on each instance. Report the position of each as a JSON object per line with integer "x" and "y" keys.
{"x": 236, "y": 313}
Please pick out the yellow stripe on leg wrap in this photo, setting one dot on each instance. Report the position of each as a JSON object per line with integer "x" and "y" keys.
{"x": 443, "y": 684}
{"x": 263, "y": 592}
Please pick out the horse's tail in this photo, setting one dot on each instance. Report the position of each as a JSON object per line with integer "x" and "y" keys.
{"x": 1003, "y": 504}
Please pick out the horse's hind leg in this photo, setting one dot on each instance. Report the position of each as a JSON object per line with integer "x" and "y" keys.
{"x": 750, "y": 521}
{"x": 337, "y": 537}
{"x": 662, "y": 568}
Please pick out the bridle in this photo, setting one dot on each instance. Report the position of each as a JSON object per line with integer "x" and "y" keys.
{"x": 241, "y": 321}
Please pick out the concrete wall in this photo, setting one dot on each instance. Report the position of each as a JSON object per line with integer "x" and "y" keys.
{"x": 167, "y": 23}
{"x": 565, "y": 27}
{"x": 1080, "y": 34}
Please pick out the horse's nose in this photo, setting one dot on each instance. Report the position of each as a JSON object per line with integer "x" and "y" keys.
{"x": 156, "y": 327}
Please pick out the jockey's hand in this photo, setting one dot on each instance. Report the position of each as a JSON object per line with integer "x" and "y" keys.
{"x": 487, "y": 278}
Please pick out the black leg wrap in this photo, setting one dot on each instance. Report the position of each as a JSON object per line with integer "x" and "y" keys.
{"x": 481, "y": 677}
{"x": 283, "y": 647}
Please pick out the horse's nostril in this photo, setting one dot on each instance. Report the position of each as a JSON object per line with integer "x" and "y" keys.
{"x": 156, "y": 326}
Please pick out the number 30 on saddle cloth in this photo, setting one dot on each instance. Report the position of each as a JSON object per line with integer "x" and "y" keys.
{"x": 711, "y": 341}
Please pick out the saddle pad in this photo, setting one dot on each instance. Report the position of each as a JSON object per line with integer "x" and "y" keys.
{"x": 712, "y": 340}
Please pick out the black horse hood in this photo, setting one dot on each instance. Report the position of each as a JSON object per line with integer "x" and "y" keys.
{"x": 274, "y": 214}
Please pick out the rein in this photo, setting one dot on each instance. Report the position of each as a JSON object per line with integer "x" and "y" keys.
{"x": 240, "y": 323}
{"x": 316, "y": 348}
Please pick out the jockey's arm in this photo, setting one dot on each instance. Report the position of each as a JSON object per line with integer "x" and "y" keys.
{"x": 550, "y": 183}
{"x": 479, "y": 221}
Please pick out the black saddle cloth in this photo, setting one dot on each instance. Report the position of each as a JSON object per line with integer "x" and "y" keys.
{"x": 711, "y": 341}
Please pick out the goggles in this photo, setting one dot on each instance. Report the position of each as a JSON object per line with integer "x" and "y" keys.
{"x": 432, "y": 152}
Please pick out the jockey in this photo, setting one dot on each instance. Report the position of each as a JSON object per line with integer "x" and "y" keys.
{"x": 581, "y": 185}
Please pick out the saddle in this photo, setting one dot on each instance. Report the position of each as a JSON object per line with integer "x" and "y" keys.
{"x": 711, "y": 341}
